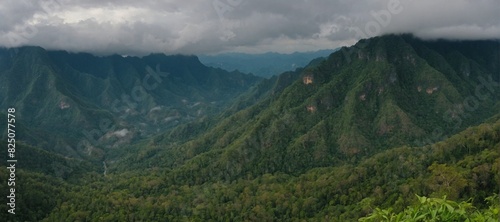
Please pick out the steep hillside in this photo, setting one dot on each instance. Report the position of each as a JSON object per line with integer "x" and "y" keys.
{"x": 464, "y": 167}
{"x": 388, "y": 91}
{"x": 88, "y": 104}
{"x": 370, "y": 127}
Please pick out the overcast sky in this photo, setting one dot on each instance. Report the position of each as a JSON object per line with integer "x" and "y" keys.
{"x": 134, "y": 27}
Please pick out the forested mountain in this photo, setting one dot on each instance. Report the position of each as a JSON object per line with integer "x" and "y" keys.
{"x": 373, "y": 126}
{"x": 390, "y": 91}
{"x": 466, "y": 165}
{"x": 81, "y": 105}
{"x": 265, "y": 65}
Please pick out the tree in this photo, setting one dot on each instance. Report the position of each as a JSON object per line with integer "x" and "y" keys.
{"x": 438, "y": 209}
{"x": 446, "y": 180}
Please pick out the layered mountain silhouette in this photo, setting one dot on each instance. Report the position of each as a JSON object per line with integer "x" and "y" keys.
{"x": 266, "y": 64}
{"x": 67, "y": 101}
{"x": 381, "y": 93}
{"x": 166, "y": 138}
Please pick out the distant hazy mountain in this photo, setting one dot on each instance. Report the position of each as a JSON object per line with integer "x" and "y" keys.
{"x": 265, "y": 65}
{"x": 370, "y": 126}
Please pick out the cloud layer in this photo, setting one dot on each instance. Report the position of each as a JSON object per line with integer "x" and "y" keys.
{"x": 212, "y": 26}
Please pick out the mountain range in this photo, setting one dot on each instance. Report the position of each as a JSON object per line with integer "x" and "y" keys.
{"x": 391, "y": 92}
{"x": 370, "y": 126}
{"x": 67, "y": 101}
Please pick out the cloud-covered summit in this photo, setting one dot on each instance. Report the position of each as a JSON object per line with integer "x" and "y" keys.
{"x": 212, "y": 26}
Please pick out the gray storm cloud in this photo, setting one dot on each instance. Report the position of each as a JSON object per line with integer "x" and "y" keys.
{"x": 212, "y": 26}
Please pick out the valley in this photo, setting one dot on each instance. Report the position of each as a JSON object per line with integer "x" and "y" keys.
{"x": 166, "y": 138}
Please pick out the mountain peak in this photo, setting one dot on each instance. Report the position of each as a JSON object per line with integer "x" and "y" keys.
{"x": 381, "y": 93}
{"x": 353, "y": 127}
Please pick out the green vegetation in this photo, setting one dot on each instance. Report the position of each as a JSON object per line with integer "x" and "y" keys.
{"x": 389, "y": 179}
{"x": 358, "y": 109}
{"x": 63, "y": 99}
{"x": 439, "y": 209}
{"x": 380, "y": 135}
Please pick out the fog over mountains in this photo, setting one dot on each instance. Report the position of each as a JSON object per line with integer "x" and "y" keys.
{"x": 258, "y": 26}
{"x": 167, "y": 138}
{"x": 250, "y": 110}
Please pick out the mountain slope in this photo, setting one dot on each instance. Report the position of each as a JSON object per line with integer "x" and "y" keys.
{"x": 330, "y": 142}
{"x": 96, "y": 103}
{"x": 464, "y": 166}
{"x": 388, "y": 93}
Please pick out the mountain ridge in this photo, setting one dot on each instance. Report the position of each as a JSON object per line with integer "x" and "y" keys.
{"x": 97, "y": 97}
{"x": 337, "y": 112}
{"x": 372, "y": 126}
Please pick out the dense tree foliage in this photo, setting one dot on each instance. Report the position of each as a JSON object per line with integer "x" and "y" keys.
{"x": 464, "y": 167}
{"x": 63, "y": 99}
{"x": 439, "y": 209}
{"x": 383, "y": 126}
